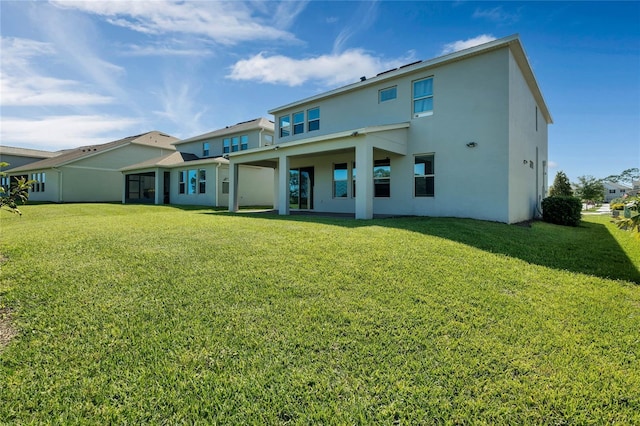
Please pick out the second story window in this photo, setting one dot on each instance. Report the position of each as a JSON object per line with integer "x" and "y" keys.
{"x": 387, "y": 94}
{"x": 423, "y": 97}
{"x": 298, "y": 123}
{"x": 313, "y": 117}
{"x": 205, "y": 149}
{"x": 235, "y": 143}
{"x": 285, "y": 126}
{"x": 244, "y": 142}
{"x": 226, "y": 145}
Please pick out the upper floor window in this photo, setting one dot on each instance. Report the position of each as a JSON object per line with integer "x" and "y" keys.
{"x": 244, "y": 142}
{"x": 226, "y": 145}
{"x": 235, "y": 143}
{"x": 423, "y": 97}
{"x": 268, "y": 139}
{"x": 205, "y": 149}
{"x": 387, "y": 94}
{"x": 298, "y": 123}
{"x": 313, "y": 117}
{"x": 285, "y": 126}
{"x": 424, "y": 176}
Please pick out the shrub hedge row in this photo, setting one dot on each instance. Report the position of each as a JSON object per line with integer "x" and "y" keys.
{"x": 562, "y": 210}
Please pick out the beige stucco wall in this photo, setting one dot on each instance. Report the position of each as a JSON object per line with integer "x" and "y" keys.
{"x": 216, "y": 144}
{"x": 471, "y": 104}
{"x": 528, "y": 150}
{"x": 256, "y": 186}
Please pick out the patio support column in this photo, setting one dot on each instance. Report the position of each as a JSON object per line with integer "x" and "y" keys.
{"x": 124, "y": 187}
{"x": 159, "y": 186}
{"x": 233, "y": 187}
{"x": 276, "y": 188}
{"x": 364, "y": 180}
{"x": 283, "y": 185}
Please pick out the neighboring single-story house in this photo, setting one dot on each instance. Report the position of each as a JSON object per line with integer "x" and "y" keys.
{"x": 198, "y": 173}
{"x": 91, "y": 173}
{"x": 462, "y": 135}
{"x": 613, "y": 190}
{"x": 17, "y": 157}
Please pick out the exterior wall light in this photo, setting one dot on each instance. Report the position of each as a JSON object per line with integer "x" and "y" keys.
{"x": 472, "y": 144}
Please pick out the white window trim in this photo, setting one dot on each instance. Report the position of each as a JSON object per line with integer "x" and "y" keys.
{"x": 413, "y": 99}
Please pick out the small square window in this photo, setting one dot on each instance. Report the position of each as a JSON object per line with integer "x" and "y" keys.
{"x": 387, "y": 94}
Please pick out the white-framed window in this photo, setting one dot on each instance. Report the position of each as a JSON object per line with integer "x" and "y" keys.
{"x": 192, "y": 179}
{"x": 298, "y": 122}
{"x": 313, "y": 119}
{"x": 382, "y": 178}
{"x": 340, "y": 180}
{"x": 244, "y": 142}
{"x": 268, "y": 140}
{"x": 235, "y": 144}
{"x": 202, "y": 181}
{"x": 423, "y": 97}
{"x": 612, "y": 191}
{"x": 353, "y": 179}
{"x": 388, "y": 94}
{"x": 285, "y": 126}
{"x": 226, "y": 145}
{"x": 205, "y": 149}
{"x": 182, "y": 181}
{"x": 38, "y": 184}
{"x": 424, "y": 175}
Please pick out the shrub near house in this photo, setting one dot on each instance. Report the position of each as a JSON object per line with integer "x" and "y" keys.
{"x": 562, "y": 210}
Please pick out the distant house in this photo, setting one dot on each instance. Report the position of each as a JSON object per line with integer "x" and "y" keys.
{"x": 91, "y": 173}
{"x": 613, "y": 190}
{"x": 462, "y": 135}
{"x": 198, "y": 173}
{"x": 636, "y": 188}
{"x": 17, "y": 157}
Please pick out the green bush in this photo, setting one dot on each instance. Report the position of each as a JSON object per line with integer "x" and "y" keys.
{"x": 617, "y": 206}
{"x": 562, "y": 210}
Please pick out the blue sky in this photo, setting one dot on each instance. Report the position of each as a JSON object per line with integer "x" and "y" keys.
{"x": 79, "y": 73}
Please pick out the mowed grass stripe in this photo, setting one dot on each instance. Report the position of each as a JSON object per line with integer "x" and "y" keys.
{"x": 138, "y": 314}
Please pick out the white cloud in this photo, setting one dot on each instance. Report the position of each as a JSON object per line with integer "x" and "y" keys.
{"x": 22, "y": 85}
{"x": 164, "y": 50}
{"x": 330, "y": 70}
{"x": 61, "y": 132}
{"x": 465, "y": 44}
{"x": 178, "y": 106}
{"x": 223, "y": 22}
{"x": 497, "y": 14}
{"x": 553, "y": 164}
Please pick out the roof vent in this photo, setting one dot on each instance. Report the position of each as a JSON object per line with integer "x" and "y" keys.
{"x": 363, "y": 78}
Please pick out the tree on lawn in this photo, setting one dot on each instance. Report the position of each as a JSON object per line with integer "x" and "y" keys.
{"x": 561, "y": 186}
{"x": 589, "y": 189}
{"x": 627, "y": 176}
{"x": 17, "y": 192}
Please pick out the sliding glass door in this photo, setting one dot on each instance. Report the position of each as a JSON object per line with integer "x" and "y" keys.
{"x": 301, "y": 188}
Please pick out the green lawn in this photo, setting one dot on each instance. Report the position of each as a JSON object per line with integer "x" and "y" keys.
{"x": 150, "y": 314}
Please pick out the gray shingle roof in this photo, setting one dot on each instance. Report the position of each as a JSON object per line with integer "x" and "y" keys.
{"x": 153, "y": 138}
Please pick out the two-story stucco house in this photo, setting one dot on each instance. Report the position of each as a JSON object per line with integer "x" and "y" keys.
{"x": 613, "y": 190}
{"x": 462, "y": 135}
{"x": 91, "y": 173}
{"x": 198, "y": 173}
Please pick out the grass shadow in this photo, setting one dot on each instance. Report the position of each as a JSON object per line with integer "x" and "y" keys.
{"x": 588, "y": 249}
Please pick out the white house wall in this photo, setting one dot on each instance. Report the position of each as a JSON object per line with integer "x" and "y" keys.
{"x": 527, "y": 149}
{"x": 216, "y": 143}
{"x": 256, "y": 186}
{"x": 470, "y": 105}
